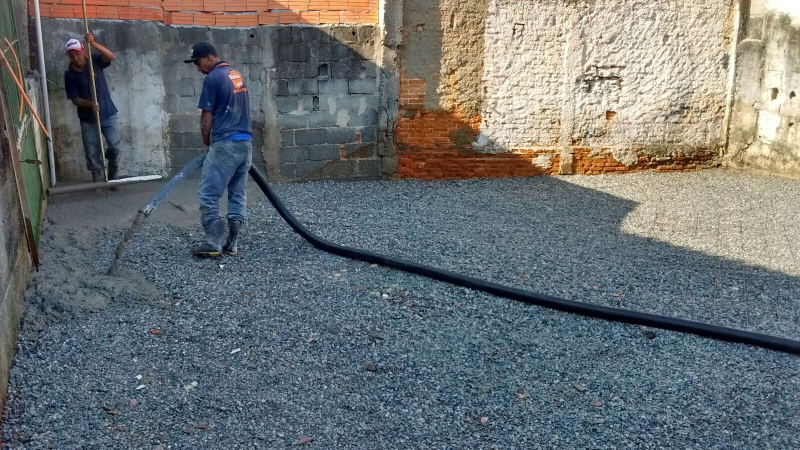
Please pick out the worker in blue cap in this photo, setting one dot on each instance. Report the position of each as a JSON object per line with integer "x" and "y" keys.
{"x": 227, "y": 136}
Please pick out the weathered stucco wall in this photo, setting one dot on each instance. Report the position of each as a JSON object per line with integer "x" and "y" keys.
{"x": 136, "y": 81}
{"x": 313, "y": 93}
{"x": 562, "y": 86}
{"x": 765, "y": 126}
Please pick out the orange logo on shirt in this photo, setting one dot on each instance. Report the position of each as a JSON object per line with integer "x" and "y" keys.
{"x": 238, "y": 81}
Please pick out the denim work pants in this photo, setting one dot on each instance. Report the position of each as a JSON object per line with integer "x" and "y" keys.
{"x": 91, "y": 144}
{"x": 226, "y": 166}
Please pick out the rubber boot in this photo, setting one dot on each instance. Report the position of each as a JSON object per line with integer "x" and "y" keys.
{"x": 234, "y": 226}
{"x": 98, "y": 176}
{"x": 112, "y": 175}
{"x": 211, "y": 249}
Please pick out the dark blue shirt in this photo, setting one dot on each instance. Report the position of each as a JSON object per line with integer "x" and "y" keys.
{"x": 225, "y": 95}
{"x": 78, "y": 84}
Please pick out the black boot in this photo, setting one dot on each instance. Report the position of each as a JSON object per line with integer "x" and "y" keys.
{"x": 112, "y": 172}
{"x": 234, "y": 226}
{"x": 210, "y": 249}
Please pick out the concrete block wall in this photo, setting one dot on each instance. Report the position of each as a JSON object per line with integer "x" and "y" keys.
{"x": 326, "y": 89}
{"x": 313, "y": 90}
{"x": 765, "y": 119}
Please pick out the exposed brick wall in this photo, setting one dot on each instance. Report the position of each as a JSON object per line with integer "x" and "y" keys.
{"x": 220, "y": 13}
{"x": 438, "y": 145}
{"x": 588, "y": 163}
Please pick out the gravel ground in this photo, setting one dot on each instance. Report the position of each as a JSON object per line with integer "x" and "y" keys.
{"x": 285, "y": 342}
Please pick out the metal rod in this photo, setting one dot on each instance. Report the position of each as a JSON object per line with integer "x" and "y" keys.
{"x": 45, "y": 97}
{"x": 22, "y": 92}
{"x": 19, "y": 73}
{"x": 80, "y": 187}
{"x": 21, "y": 194}
{"x": 94, "y": 92}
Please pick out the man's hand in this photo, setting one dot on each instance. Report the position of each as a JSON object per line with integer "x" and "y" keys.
{"x": 95, "y": 106}
{"x": 107, "y": 54}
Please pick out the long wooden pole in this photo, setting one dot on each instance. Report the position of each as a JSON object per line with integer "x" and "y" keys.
{"x": 94, "y": 92}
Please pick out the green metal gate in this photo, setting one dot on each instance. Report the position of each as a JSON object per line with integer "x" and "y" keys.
{"x": 23, "y": 127}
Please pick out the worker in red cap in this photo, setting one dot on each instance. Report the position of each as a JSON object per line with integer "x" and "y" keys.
{"x": 78, "y": 84}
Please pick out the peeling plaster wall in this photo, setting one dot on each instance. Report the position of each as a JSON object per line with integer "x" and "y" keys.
{"x": 621, "y": 74}
{"x": 765, "y": 127}
{"x": 589, "y": 86}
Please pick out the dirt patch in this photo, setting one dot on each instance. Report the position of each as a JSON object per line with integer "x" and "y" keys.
{"x": 72, "y": 282}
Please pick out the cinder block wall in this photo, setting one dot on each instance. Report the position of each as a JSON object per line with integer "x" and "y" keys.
{"x": 311, "y": 69}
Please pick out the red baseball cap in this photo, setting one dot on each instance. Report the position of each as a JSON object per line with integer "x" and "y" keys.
{"x": 73, "y": 44}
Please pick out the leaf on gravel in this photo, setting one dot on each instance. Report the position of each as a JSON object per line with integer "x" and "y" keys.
{"x": 202, "y": 425}
{"x": 370, "y": 366}
{"x": 616, "y": 295}
{"x": 133, "y": 402}
{"x": 376, "y": 336}
{"x": 304, "y": 440}
{"x": 188, "y": 430}
{"x": 111, "y": 410}
{"x": 493, "y": 447}
{"x": 484, "y": 420}
{"x": 155, "y": 331}
{"x": 236, "y": 350}
{"x": 649, "y": 334}
{"x": 311, "y": 339}
{"x": 190, "y": 386}
{"x": 521, "y": 394}
{"x": 579, "y": 388}
{"x": 140, "y": 387}
{"x": 597, "y": 404}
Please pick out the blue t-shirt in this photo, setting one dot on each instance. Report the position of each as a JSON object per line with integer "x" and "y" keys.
{"x": 78, "y": 84}
{"x": 225, "y": 95}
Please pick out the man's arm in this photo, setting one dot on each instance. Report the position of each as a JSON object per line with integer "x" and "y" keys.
{"x": 81, "y": 103}
{"x": 74, "y": 94}
{"x": 107, "y": 55}
{"x": 205, "y": 128}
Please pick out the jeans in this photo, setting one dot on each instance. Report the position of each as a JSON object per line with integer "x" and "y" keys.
{"x": 226, "y": 166}
{"x": 91, "y": 144}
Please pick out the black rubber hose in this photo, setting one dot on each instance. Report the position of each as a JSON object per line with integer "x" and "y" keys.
{"x": 586, "y": 309}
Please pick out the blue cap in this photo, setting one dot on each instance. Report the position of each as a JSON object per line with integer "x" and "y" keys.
{"x": 201, "y": 50}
